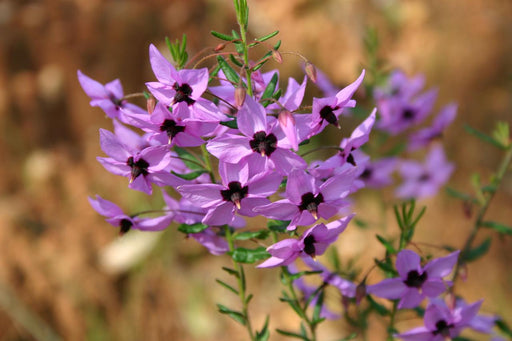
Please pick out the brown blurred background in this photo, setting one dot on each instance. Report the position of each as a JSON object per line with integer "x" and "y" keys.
{"x": 53, "y": 263}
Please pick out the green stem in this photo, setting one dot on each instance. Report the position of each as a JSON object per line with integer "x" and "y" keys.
{"x": 391, "y": 327}
{"x": 208, "y": 162}
{"x": 241, "y": 285}
{"x": 243, "y": 36}
{"x": 488, "y": 196}
{"x": 302, "y": 309}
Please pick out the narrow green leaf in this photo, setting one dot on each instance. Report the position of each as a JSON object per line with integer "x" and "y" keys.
{"x": 230, "y": 74}
{"x": 268, "y": 36}
{"x": 484, "y": 137}
{"x": 379, "y": 308}
{"x": 258, "y": 66}
{"x": 248, "y": 298}
{"x": 230, "y": 271}
{"x": 264, "y": 333}
{"x": 387, "y": 267}
{"x": 188, "y": 159}
{"x": 271, "y": 87}
{"x": 227, "y": 286}
{"x": 190, "y": 176}
{"x": 502, "y": 325}
{"x": 349, "y": 337}
{"x": 501, "y": 228}
{"x": 277, "y": 225}
{"x": 386, "y": 244}
{"x": 233, "y": 124}
{"x": 222, "y": 36}
{"x": 235, "y": 315}
{"x": 245, "y": 235}
{"x": 318, "y": 308}
{"x": 459, "y": 195}
{"x": 477, "y": 251}
{"x": 249, "y": 256}
{"x": 235, "y": 61}
{"x": 418, "y": 217}
{"x": 291, "y": 334}
{"x": 192, "y": 228}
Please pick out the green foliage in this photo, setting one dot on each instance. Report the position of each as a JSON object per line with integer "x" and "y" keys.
{"x": 235, "y": 315}
{"x": 191, "y": 175}
{"x": 178, "y": 51}
{"x": 486, "y": 138}
{"x": 476, "y": 252}
{"x": 249, "y": 256}
{"x": 192, "y": 228}
{"x": 498, "y": 227}
{"x": 230, "y": 74}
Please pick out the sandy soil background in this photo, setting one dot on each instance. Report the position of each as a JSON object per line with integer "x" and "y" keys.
{"x": 52, "y": 242}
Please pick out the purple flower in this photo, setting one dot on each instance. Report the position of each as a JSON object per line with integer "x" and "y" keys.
{"x": 326, "y": 110}
{"x": 313, "y": 243}
{"x": 307, "y": 201}
{"x": 308, "y": 290}
{"x": 399, "y": 85}
{"x": 424, "y": 180}
{"x": 174, "y": 128}
{"x": 117, "y": 218}
{"x": 346, "y": 287}
{"x": 183, "y": 86}
{"x": 443, "y": 323}
{"x": 415, "y": 282}
{"x": 377, "y": 174}
{"x": 424, "y": 136}
{"x": 143, "y": 168}
{"x": 108, "y": 97}
{"x": 239, "y": 192}
{"x": 259, "y": 146}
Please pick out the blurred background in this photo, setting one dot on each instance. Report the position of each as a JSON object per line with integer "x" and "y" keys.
{"x": 56, "y": 271}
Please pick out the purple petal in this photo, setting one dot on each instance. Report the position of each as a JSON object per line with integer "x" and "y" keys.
{"x": 155, "y": 224}
{"x": 229, "y": 148}
{"x": 282, "y": 210}
{"x": 203, "y": 195}
{"x": 114, "y": 167}
{"x": 411, "y": 299}
{"x": 112, "y": 147}
{"x": 264, "y": 184}
{"x": 251, "y": 118}
{"x": 299, "y": 183}
{"x": 418, "y": 334}
{"x": 104, "y": 207}
{"x": 433, "y": 287}
{"x": 390, "y": 288}
{"x": 162, "y": 68}
{"x": 285, "y": 161}
{"x": 140, "y": 183}
{"x": 91, "y": 87}
{"x": 346, "y": 93}
{"x": 406, "y": 261}
{"x": 220, "y": 215}
{"x": 441, "y": 267}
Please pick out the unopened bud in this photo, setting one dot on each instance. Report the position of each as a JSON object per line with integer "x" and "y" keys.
{"x": 360, "y": 292}
{"x": 150, "y": 104}
{"x": 463, "y": 271}
{"x": 285, "y": 117}
{"x": 219, "y": 47}
{"x": 311, "y": 71}
{"x": 450, "y": 300}
{"x": 240, "y": 96}
{"x": 277, "y": 56}
{"x": 345, "y": 302}
{"x": 467, "y": 208}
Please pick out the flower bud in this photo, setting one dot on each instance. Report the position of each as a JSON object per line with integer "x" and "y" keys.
{"x": 463, "y": 271}
{"x": 285, "y": 117}
{"x": 240, "y": 93}
{"x": 450, "y": 300}
{"x": 277, "y": 56}
{"x": 219, "y": 47}
{"x": 311, "y": 71}
{"x": 360, "y": 292}
{"x": 150, "y": 104}
{"x": 345, "y": 302}
{"x": 467, "y": 208}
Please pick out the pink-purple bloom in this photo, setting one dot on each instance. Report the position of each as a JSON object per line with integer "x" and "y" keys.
{"x": 117, "y": 218}
{"x": 415, "y": 282}
{"x": 313, "y": 243}
{"x": 422, "y": 180}
{"x": 442, "y": 323}
{"x": 423, "y": 137}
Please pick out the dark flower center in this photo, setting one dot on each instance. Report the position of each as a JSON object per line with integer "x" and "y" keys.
{"x": 309, "y": 245}
{"x": 171, "y": 128}
{"x": 408, "y": 114}
{"x": 366, "y": 174}
{"x": 263, "y": 143}
{"x": 310, "y": 202}
{"x": 138, "y": 168}
{"x": 234, "y": 193}
{"x": 125, "y": 225}
{"x": 424, "y": 177}
{"x": 415, "y": 280}
{"x": 116, "y": 101}
{"x": 183, "y": 93}
{"x": 327, "y": 113}
{"x": 350, "y": 157}
{"x": 443, "y": 328}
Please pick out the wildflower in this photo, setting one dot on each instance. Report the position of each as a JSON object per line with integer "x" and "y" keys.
{"x": 443, "y": 323}
{"x": 258, "y": 146}
{"x": 143, "y": 168}
{"x": 326, "y": 110}
{"x": 117, "y": 218}
{"x": 313, "y": 243}
{"x": 306, "y": 201}
{"x": 108, "y": 97}
{"x": 424, "y": 180}
{"x": 424, "y": 136}
{"x": 415, "y": 282}
{"x": 377, "y": 173}
{"x": 239, "y": 192}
